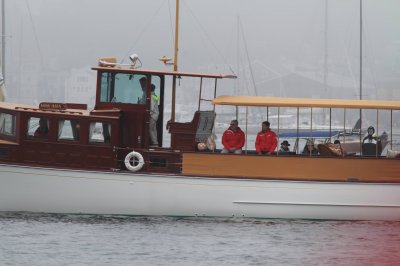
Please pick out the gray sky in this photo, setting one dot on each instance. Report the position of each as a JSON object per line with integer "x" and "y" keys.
{"x": 279, "y": 35}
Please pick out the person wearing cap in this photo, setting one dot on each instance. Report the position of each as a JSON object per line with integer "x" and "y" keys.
{"x": 233, "y": 139}
{"x": 284, "y": 146}
{"x": 371, "y": 137}
{"x": 266, "y": 141}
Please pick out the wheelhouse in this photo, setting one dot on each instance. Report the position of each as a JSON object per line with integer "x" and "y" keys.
{"x": 70, "y": 136}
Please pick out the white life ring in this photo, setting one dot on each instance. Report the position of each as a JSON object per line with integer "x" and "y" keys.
{"x": 131, "y": 159}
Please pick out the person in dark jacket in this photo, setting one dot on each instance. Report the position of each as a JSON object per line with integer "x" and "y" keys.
{"x": 42, "y": 130}
{"x": 284, "y": 146}
{"x": 371, "y": 137}
{"x": 233, "y": 139}
{"x": 310, "y": 149}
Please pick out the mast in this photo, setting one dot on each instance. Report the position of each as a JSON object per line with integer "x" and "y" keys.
{"x": 3, "y": 38}
{"x": 175, "y": 61}
{"x": 360, "y": 72}
{"x": 325, "y": 57}
{"x": 360, "y": 49}
{"x": 326, "y": 47}
{"x": 3, "y": 50}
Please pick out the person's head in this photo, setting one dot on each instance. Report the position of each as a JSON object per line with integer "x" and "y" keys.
{"x": 265, "y": 126}
{"x": 285, "y": 144}
{"x": 371, "y": 130}
{"x": 310, "y": 145}
{"x": 234, "y": 125}
{"x": 143, "y": 81}
{"x": 153, "y": 87}
{"x": 42, "y": 122}
{"x": 43, "y": 125}
{"x": 336, "y": 142}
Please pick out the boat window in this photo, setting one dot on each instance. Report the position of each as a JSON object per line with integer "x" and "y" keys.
{"x": 7, "y": 124}
{"x": 38, "y": 127}
{"x": 122, "y": 88}
{"x": 100, "y": 132}
{"x": 68, "y": 130}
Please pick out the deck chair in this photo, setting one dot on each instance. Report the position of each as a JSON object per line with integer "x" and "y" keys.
{"x": 186, "y": 136}
{"x": 372, "y": 149}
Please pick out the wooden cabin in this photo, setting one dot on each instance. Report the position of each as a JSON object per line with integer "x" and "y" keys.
{"x": 68, "y": 135}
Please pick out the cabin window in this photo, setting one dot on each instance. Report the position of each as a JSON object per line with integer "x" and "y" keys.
{"x": 38, "y": 127}
{"x": 100, "y": 132}
{"x": 68, "y": 130}
{"x": 7, "y": 124}
{"x": 122, "y": 88}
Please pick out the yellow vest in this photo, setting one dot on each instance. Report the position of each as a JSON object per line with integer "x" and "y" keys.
{"x": 155, "y": 97}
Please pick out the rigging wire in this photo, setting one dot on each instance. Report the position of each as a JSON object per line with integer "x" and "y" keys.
{"x": 346, "y": 43}
{"x": 371, "y": 50}
{"x": 34, "y": 32}
{"x": 142, "y": 32}
{"x": 209, "y": 39}
{"x": 240, "y": 61}
{"x": 248, "y": 57}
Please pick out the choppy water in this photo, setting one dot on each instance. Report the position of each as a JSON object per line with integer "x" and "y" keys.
{"x": 44, "y": 239}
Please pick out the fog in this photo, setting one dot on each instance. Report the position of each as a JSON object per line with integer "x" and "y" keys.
{"x": 307, "y": 48}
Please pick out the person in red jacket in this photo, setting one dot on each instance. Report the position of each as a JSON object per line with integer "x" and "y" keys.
{"x": 266, "y": 141}
{"x": 233, "y": 139}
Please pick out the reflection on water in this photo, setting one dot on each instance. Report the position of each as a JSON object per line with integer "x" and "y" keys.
{"x": 51, "y": 239}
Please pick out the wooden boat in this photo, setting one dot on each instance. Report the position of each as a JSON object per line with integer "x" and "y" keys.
{"x": 100, "y": 161}
{"x": 86, "y": 171}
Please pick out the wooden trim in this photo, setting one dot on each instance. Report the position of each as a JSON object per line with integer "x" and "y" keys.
{"x": 159, "y": 72}
{"x": 292, "y": 167}
{"x": 305, "y": 102}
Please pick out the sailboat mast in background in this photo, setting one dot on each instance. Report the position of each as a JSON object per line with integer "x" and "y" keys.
{"x": 361, "y": 25}
{"x": 3, "y": 50}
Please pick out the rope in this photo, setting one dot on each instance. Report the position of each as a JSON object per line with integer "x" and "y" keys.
{"x": 34, "y": 32}
{"x": 248, "y": 57}
{"x": 142, "y": 32}
{"x": 209, "y": 39}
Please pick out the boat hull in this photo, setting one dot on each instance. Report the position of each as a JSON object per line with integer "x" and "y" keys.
{"x": 33, "y": 189}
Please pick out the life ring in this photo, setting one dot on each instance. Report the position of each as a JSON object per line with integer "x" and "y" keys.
{"x": 131, "y": 159}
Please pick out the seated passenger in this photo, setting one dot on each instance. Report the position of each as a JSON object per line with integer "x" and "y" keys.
{"x": 284, "y": 147}
{"x": 266, "y": 141}
{"x": 42, "y": 130}
{"x": 371, "y": 136}
{"x": 233, "y": 139}
{"x": 310, "y": 149}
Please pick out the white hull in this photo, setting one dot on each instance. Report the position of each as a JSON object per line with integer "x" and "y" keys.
{"x": 61, "y": 191}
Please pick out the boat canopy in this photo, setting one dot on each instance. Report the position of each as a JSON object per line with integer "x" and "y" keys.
{"x": 304, "y": 102}
{"x": 129, "y": 70}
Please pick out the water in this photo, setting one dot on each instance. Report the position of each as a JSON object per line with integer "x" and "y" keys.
{"x": 45, "y": 239}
